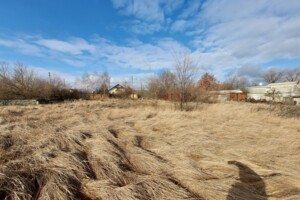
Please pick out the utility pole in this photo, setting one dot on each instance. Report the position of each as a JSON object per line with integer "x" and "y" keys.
{"x": 132, "y": 82}
{"x": 142, "y": 90}
{"x": 49, "y": 77}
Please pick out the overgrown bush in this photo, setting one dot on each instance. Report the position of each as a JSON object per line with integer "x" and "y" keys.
{"x": 20, "y": 82}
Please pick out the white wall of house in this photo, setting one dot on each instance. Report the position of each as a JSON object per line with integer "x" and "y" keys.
{"x": 257, "y": 92}
{"x": 118, "y": 89}
{"x": 286, "y": 89}
{"x": 113, "y": 91}
{"x": 285, "y": 92}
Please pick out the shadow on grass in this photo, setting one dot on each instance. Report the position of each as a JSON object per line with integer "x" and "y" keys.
{"x": 249, "y": 186}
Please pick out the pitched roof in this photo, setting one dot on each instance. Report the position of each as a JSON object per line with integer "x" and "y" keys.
{"x": 283, "y": 83}
{"x": 116, "y": 86}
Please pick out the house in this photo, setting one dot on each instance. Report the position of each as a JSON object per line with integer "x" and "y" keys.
{"x": 123, "y": 92}
{"x": 288, "y": 92}
{"x": 117, "y": 90}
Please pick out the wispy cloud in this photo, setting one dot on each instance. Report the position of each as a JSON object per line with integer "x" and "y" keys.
{"x": 150, "y": 16}
{"x": 75, "y": 46}
{"x": 43, "y": 72}
{"x": 154, "y": 10}
{"x": 21, "y": 45}
{"x": 223, "y": 35}
{"x": 179, "y": 26}
{"x": 192, "y": 9}
{"x": 244, "y": 32}
{"x": 81, "y": 52}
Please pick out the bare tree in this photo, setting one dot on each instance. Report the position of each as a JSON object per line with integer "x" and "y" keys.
{"x": 167, "y": 84}
{"x": 235, "y": 82}
{"x": 292, "y": 74}
{"x": 21, "y": 82}
{"x": 5, "y": 80}
{"x": 89, "y": 82}
{"x": 105, "y": 82}
{"x": 18, "y": 83}
{"x": 273, "y": 94}
{"x": 94, "y": 82}
{"x": 272, "y": 76}
{"x": 185, "y": 71}
{"x": 153, "y": 87}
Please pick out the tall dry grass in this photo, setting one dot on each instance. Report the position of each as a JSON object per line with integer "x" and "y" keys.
{"x": 148, "y": 150}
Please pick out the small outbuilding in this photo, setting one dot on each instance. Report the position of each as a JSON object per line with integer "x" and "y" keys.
{"x": 229, "y": 95}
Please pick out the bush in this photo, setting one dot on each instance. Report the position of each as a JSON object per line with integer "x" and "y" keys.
{"x": 19, "y": 82}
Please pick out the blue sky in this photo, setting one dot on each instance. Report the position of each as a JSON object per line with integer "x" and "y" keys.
{"x": 139, "y": 37}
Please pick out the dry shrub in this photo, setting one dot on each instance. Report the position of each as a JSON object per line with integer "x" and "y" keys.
{"x": 290, "y": 111}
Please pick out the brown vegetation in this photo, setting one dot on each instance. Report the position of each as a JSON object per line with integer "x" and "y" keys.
{"x": 147, "y": 150}
{"x": 20, "y": 82}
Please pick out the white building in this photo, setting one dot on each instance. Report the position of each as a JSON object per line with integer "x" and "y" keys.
{"x": 257, "y": 93}
{"x": 279, "y": 92}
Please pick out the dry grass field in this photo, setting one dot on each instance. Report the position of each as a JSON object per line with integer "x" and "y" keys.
{"x": 142, "y": 150}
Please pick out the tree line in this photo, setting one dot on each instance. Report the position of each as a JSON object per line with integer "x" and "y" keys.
{"x": 20, "y": 82}
{"x": 179, "y": 84}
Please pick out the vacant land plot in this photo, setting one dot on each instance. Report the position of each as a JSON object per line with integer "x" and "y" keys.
{"x": 143, "y": 150}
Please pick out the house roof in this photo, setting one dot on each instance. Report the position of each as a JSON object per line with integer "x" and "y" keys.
{"x": 116, "y": 86}
{"x": 285, "y": 88}
{"x": 226, "y": 91}
{"x": 283, "y": 83}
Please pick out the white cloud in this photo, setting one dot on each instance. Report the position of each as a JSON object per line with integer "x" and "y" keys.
{"x": 192, "y": 9}
{"x": 74, "y": 62}
{"x": 142, "y": 56}
{"x": 44, "y": 71}
{"x": 250, "y": 70}
{"x": 179, "y": 25}
{"x": 233, "y": 32}
{"x": 221, "y": 34}
{"x": 150, "y": 16}
{"x": 75, "y": 46}
{"x": 154, "y": 10}
{"x": 21, "y": 45}
{"x": 99, "y": 51}
{"x": 141, "y": 27}
{"x": 146, "y": 10}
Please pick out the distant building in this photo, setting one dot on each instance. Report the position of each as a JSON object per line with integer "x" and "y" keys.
{"x": 229, "y": 95}
{"x": 257, "y": 93}
{"x": 134, "y": 96}
{"x": 117, "y": 90}
{"x": 122, "y": 92}
{"x": 279, "y": 92}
